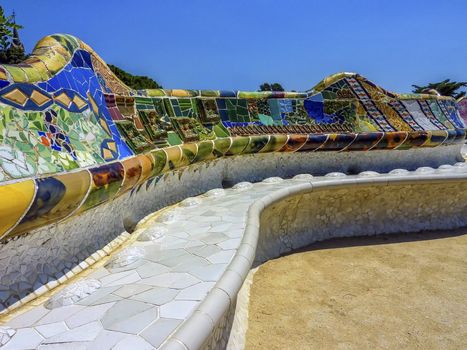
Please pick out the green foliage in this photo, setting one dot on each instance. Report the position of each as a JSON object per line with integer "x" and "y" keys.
{"x": 271, "y": 87}
{"x": 138, "y": 82}
{"x": 444, "y": 88}
{"x": 11, "y": 48}
{"x": 15, "y": 54}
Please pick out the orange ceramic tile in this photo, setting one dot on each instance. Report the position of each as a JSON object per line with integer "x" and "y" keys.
{"x": 147, "y": 165}
{"x": 294, "y": 143}
{"x": 133, "y": 170}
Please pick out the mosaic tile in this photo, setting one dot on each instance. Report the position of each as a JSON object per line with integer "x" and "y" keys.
{"x": 238, "y": 145}
{"x": 275, "y": 143}
{"x": 366, "y": 141}
{"x": 205, "y": 151}
{"x": 338, "y": 142}
{"x": 133, "y": 170}
{"x": 16, "y": 199}
{"x": 391, "y": 140}
{"x": 314, "y": 142}
{"x": 256, "y": 144}
{"x": 157, "y": 332}
{"x": 63, "y": 109}
{"x": 56, "y": 197}
{"x": 106, "y": 181}
{"x": 294, "y": 143}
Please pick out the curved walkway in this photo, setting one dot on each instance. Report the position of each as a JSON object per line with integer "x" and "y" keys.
{"x": 177, "y": 277}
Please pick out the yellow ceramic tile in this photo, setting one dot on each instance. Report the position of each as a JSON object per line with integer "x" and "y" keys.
{"x": 79, "y": 102}
{"x": 39, "y": 98}
{"x": 107, "y": 154}
{"x": 3, "y": 75}
{"x": 16, "y": 96}
{"x": 174, "y": 156}
{"x": 18, "y": 75}
{"x": 147, "y": 164}
{"x": 95, "y": 109}
{"x": 180, "y": 93}
{"x": 76, "y": 187}
{"x": 31, "y": 73}
{"x": 63, "y": 99}
{"x": 112, "y": 146}
{"x": 39, "y": 66}
{"x": 16, "y": 199}
{"x": 104, "y": 125}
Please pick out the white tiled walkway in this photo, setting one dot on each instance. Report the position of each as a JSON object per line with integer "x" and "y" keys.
{"x": 139, "y": 305}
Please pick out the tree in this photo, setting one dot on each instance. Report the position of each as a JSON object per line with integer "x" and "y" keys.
{"x": 271, "y": 87}
{"x": 137, "y": 82}
{"x": 11, "y": 47}
{"x": 444, "y": 88}
{"x": 265, "y": 87}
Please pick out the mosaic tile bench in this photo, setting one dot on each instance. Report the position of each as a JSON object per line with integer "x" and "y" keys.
{"x": 84, "y": 157}
{"x": 174, "y": 283}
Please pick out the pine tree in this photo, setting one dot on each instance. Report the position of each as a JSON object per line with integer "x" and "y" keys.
{"x": 15, "y": 53}
{"x": 11, "y": 47}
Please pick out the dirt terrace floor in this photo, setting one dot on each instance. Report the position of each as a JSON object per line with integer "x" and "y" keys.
{"x": 386, "y": 292}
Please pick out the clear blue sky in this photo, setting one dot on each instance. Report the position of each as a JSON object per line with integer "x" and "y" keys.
{"x": 239, "y": 44}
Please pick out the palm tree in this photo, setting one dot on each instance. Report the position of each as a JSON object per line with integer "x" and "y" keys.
{"x": 444, "y": 88}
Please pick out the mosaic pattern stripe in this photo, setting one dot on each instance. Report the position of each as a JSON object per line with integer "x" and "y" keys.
{"x": 73, "y": 136}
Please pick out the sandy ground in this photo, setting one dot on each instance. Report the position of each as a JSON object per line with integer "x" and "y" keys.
{"x": 387, "y": 292}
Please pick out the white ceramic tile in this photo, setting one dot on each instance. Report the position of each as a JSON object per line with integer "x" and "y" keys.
{"x": 136, "y": 323}
{"x": 49, "y": 330}
{"x": 105, "y": 340}
{"x": 87, "y": 332}
{"x": 232, "y": 243}
{"x": 60, "y": 314}
{"x": 88, "y": 315}
{"x": 208, "y": 273}
{"x": 179, "y": 309}
{"x": 157, "y": 332}
{"x": 122, "y": 311}
{"x": 187, "y": 259}
{"x": 204, "y": 251}
{"x": 149, "y": 269}
{"x": 176, "y": 280}
{"x": 156, "y": 295}
{"x": 67, "y": 346}
{"x": 223, "y": 257}
{"x": 100, "y": 296}
{"x": 131, "y": 290}
{"x": 213, "y": 237}
{"x": 25, "y": 338}
{"x": 28, "y": 318}
{"x": 196, "y": 292}
{"x": 133, "y": 343}
{"x": 112, "y": 277}
{"x": 131, "y": 278}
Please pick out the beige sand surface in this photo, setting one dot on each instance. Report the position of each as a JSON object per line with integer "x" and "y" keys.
{"x": 387, "y": 292}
